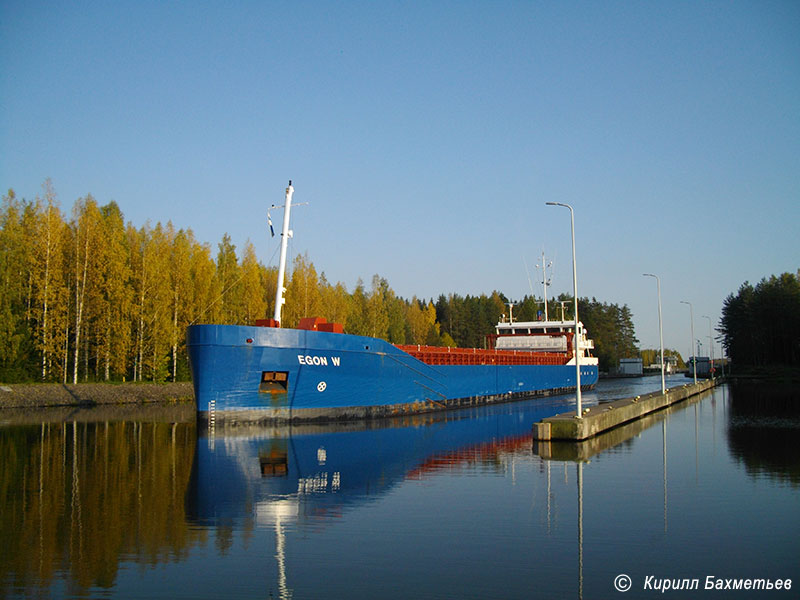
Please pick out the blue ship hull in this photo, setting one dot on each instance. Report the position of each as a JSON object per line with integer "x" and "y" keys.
{"x": 342, "y": 376}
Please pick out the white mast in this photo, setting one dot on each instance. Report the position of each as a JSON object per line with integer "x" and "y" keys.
{"x": 285, "y": 235}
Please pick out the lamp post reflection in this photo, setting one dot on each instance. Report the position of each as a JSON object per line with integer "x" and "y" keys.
{"x": 580, "y": 529}
{"x": 664, "y": 439}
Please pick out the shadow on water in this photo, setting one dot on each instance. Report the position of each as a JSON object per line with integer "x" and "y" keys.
{"x": 763, "y": 429}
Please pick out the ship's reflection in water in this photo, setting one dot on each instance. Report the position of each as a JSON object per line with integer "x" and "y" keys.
{"x": 462, "y": 504}
{"x": 327, "y": 468}
{"x": 307, "y": 478}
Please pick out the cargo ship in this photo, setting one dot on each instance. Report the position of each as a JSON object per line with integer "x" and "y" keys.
{"x": 316, "y": 371}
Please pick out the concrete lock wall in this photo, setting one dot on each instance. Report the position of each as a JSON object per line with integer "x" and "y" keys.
{"x": 600, "y": 418}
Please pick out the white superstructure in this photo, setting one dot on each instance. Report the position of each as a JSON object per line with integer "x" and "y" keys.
{"x": 544, "y": 336}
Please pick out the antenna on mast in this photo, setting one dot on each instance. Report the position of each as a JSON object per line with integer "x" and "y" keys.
{"x": 528, "y": 273}
{"x": 545, "y": 281}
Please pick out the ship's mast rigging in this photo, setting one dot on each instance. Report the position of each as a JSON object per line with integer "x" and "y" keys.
{"x": 546, "y": 281}
{"x": 286, "y": 233}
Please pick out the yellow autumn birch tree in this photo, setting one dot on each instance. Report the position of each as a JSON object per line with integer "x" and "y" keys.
{"x": 157, "y": 334}
{"x": 87, "y": 231}
{"x": 141, "y": 278}
{"x": 181, "y": 283}
{"x": 228, "y": 277}
{"x": 15, "y": 258}
{"x": 254, "y": 304}
{"x": 113, "y": 327}
{"x": 205, "y": 286}
{"x": 417, "y": 320}
{"x": 302, "y": 293}
{"x": 50, "y": 296}
{"x": 335, "y": 301}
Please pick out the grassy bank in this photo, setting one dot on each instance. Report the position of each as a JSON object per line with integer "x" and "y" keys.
{"x": 40, "y": 395}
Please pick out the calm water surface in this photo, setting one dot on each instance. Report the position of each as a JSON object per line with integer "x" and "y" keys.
{"x": 458, "y": 505}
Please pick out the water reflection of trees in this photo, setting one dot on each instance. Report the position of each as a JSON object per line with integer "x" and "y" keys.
{"x": 77, "y": 498}
{"x": 763, "y": 425}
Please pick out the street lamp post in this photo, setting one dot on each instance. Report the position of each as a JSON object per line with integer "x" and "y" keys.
{"x": 577, "y": 335}
{"x": 711, "y": 344}
{"x": 660, "y": 330}
{"x": 691, "y": 342}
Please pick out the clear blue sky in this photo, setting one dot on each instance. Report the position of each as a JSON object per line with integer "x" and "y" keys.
{"x": 427, "y": 136}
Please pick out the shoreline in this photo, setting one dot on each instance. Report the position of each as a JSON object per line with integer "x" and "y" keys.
{"x": 48, "y": 395}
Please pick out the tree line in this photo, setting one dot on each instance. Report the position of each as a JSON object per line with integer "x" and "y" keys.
{"x": 652, "y": 356}
{"x": 760, "y": 325}
{"x": 91, "y": 298}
